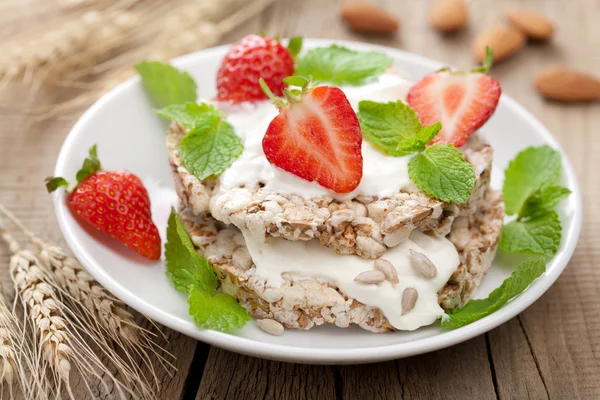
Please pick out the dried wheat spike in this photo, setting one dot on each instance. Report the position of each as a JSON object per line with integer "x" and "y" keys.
{"x": 102, "y": 314}
{"x": 57, "y": 344}
{"x": 15, "y": 358}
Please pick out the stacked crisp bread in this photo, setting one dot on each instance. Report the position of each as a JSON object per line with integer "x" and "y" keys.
{"x": 365, "y": 226}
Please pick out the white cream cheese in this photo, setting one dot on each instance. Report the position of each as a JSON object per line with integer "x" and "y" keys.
{"x": 383, "y": 175}
{"x": 302, "y": 260}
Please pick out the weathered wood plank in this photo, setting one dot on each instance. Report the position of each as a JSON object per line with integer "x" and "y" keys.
{"x": 233, "y": 376}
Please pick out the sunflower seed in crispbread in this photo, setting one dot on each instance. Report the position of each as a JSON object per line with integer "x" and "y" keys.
{"x": 422, "y": 264}
{"x": 409, "y": 298}
{"x": 370, "y": 277}
{"x": 388, "y": 270}
{"x": 270, "y": 326}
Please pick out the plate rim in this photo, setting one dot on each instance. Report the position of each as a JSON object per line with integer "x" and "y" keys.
{"x": 288, "y": 353}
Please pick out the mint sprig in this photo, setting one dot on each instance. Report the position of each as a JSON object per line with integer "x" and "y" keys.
{"x": 185, "y": 268}
{"x": 419, "y": 142}
{"x": 387, "y": 125}
{"x": 534, "y": 169}
{"x": 531, "y": 192}
{"x": 187, "y": 114}
{"x": 543, "y": 200}
{"x": 442, "y": 172}
{"x": 192, "y": 274}
{"x": 165, "y": 84}
{"x": 521, "y": 278}
{"x": 538, "y": 235}
{"x": 341, "y": 66}
{"x": 211, "y": 145}
{"x": 220, "y": 312}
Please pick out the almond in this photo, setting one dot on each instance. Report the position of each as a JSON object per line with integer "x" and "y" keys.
{"x": 533, "y": 24}
{"x": 564, "y": 84}
{"x": 368, "y": 18}
{"x": 504, "y": 40}
{"x": 449, "y": 16}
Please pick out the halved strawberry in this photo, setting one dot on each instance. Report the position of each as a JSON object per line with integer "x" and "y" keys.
{"x": 316, "y": 136}
{"x": 461, "y": 101}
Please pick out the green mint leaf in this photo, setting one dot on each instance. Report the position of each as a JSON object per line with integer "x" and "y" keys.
{"x": 429, "y": 132}
{"x": 295, "y": 45}
{"x": 487, "y": 63}
{"x": 165, "y": 84}
{"x": 386, "y": 125}
{"x": 533, "y": 169}
{"x": 295, "y": 81}
{"x": 411, "y": 145}
{"x": 342, "y": 66}
{"x": 538, "y": 235}
{"x": 53, "y": 183}
{"x": 525, "y": 273}
{"x": 211, "y": 146}
{"x": 187, "y": 114}
{"x": 91, "y": 165}
{"x": 220, "y": 312}
{"x": 185, "y": 268}
{"x": 543, "y": 200}
{"x": 419, "y": 143}
{"x": 442, "y": 172}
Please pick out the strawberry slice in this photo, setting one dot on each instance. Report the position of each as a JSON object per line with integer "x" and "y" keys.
{"x": 461, "y": 101}
{"x": 316, "y": 136}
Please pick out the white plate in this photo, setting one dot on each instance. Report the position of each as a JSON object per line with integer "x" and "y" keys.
{"x": 130, "y": 136}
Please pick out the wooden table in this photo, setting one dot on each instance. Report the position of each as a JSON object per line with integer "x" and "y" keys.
{"x": 550, "y": 351}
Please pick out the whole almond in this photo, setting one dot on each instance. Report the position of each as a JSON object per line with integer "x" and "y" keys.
{"x": 533, "y": 24}
{"x": 449, "y": 16}
{"x": 565, "y": 84}
{"x": 504, "y": 40}
{"x": 368, "y": 18}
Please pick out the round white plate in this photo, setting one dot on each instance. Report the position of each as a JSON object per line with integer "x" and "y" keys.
{"x": 130, "y": 136}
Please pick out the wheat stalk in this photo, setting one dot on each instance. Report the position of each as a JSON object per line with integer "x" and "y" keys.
{"x": 58, "y": 342}
{"x": 173, "y": 42}
{"x": 103, "y": 313}
{"x": 15, "y": 357}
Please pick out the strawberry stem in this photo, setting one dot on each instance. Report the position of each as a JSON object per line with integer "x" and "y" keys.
{"x": 91, "y": 165}
{"x": 487, "y": 63}
{"x": 280, "y": 103}
{"x": 53, "y": 183}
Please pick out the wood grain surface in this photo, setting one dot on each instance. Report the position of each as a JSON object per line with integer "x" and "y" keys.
{"x": 550, "y": 351}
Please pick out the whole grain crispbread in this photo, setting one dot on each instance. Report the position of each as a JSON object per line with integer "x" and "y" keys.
{"x": 365, "y": 226}
{"x": 307, "y": 303}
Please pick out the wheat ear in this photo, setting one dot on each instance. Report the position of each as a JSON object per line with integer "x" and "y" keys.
{"x": 15, "y": 356}
{"x": 103, "y": 313}
{"x": 57, "y": 345}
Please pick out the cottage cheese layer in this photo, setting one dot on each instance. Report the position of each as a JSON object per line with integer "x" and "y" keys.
{"x": 308, "y": 260}
{"x": 383, "y": 175}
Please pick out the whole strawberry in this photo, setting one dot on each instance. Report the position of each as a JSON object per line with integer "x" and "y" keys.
{"x": 316, "y": 136}
{"x": 250, "y": 59}
{"x": 461, "y": 101}
{"x": 114, "y": 202}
